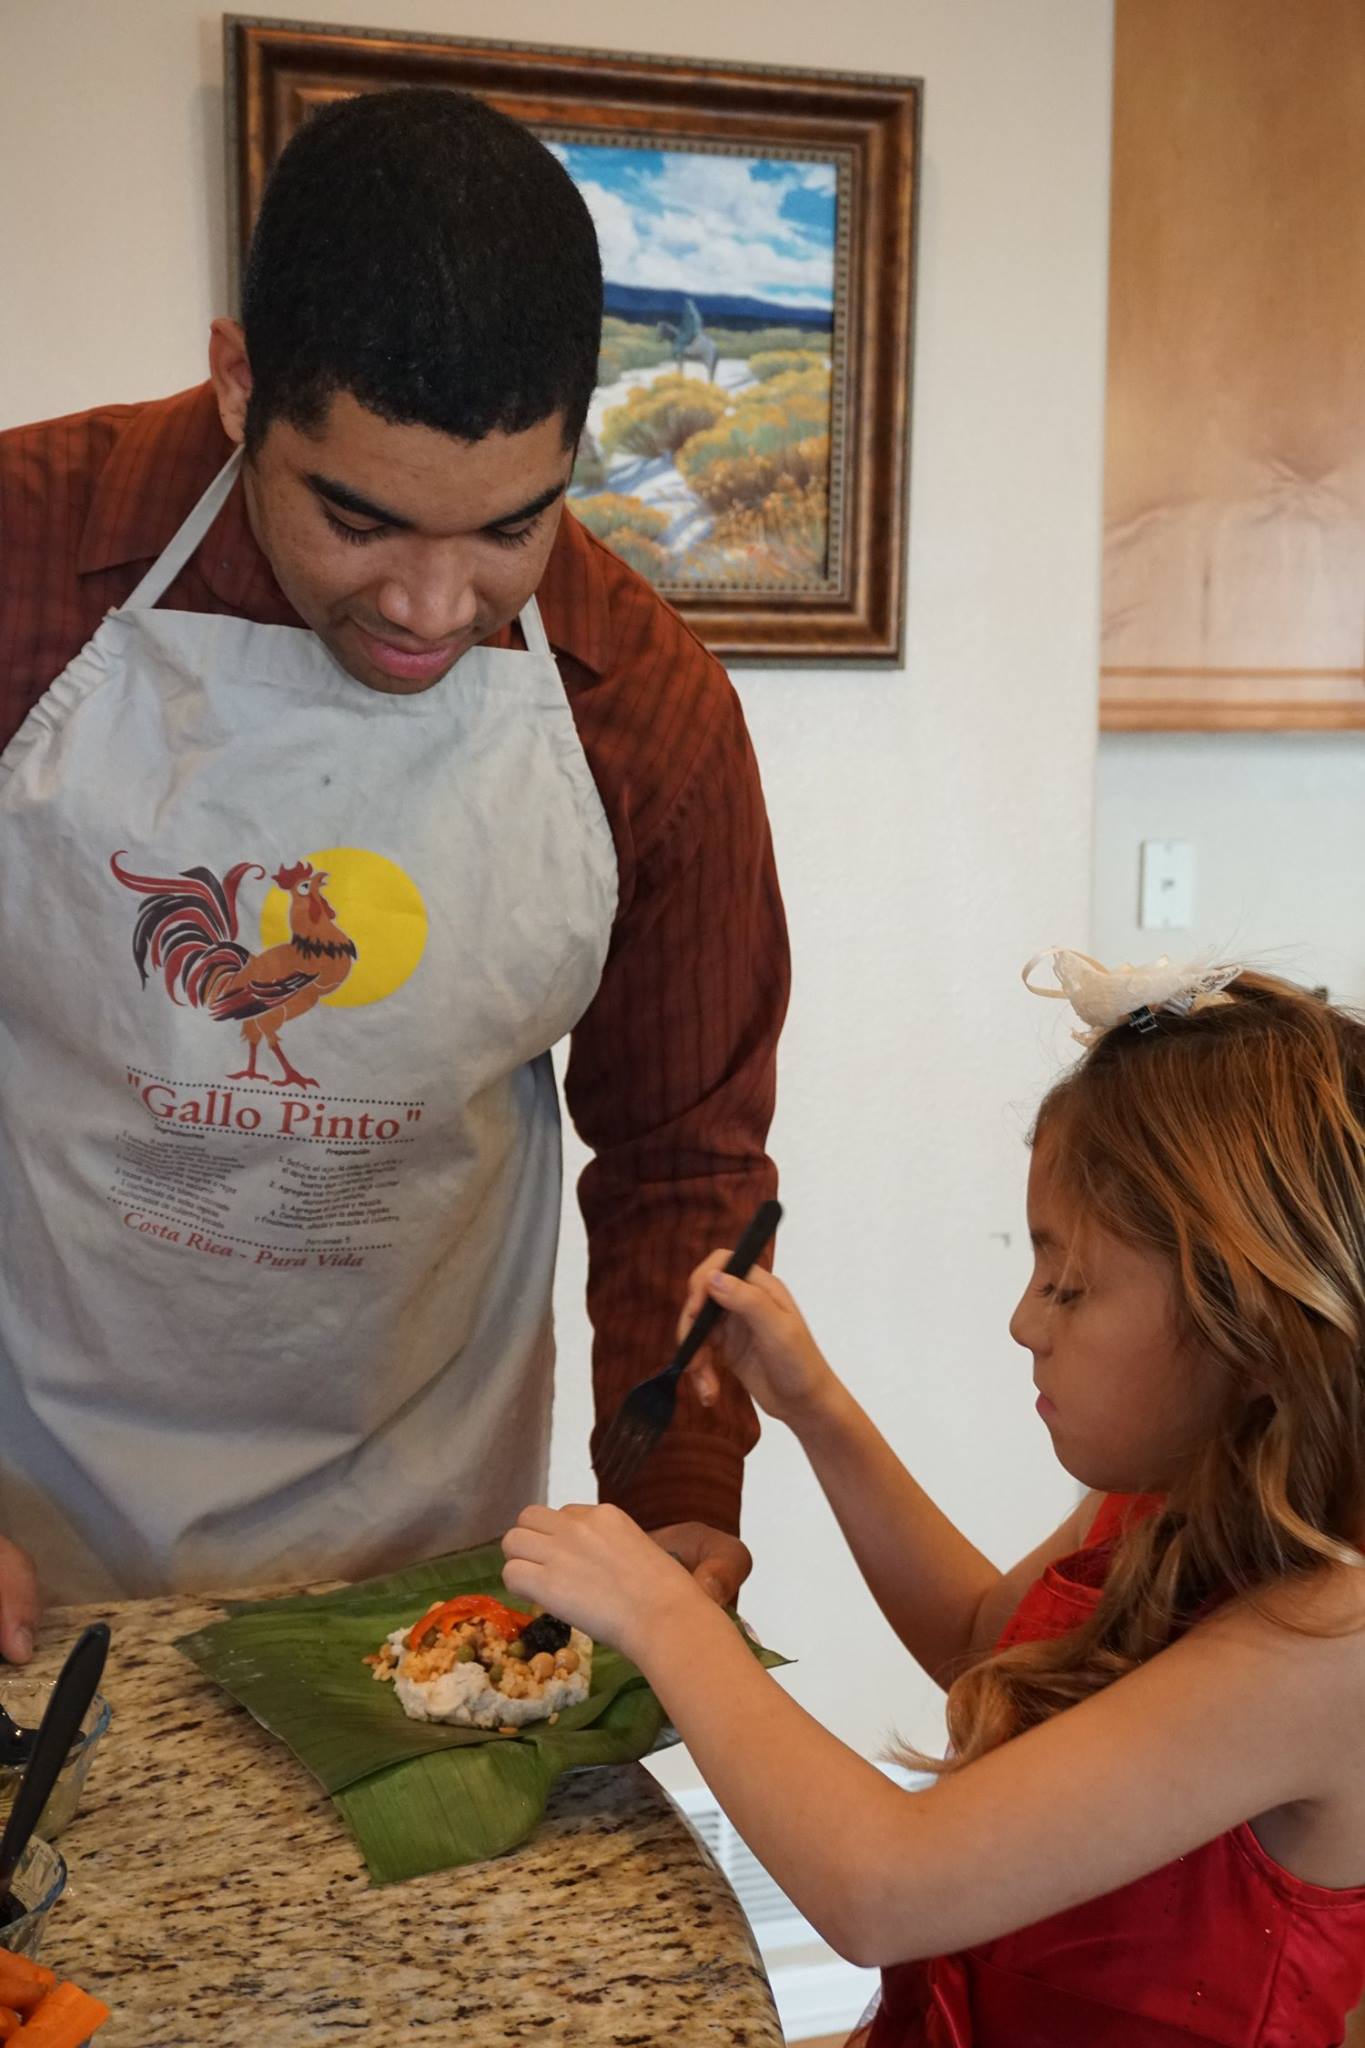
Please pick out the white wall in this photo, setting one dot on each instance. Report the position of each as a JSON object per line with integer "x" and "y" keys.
{"x": 1277, "y": 823}
{"x": 933, "y": 827}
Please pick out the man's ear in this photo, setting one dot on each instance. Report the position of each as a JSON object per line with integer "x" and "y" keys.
{"x": 231, "y": 374}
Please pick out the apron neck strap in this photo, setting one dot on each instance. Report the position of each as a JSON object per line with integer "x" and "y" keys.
{"x": 533, "y": 631}
{"x": 178, "y": 550}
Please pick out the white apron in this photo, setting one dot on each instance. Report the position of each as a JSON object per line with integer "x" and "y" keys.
{"x": 278, "y": 1221}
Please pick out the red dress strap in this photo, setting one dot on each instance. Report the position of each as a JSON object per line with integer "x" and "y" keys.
{"x": 1066, "y": 1594}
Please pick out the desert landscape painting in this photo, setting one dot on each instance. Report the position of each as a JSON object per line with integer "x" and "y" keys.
{"x": 706, "y": 460}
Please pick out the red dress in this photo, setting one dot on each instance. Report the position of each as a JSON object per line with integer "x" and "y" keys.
{"x": 1223, "y": 1946}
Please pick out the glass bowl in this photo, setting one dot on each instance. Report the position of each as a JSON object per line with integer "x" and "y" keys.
{"x": 39, "y": 1882}
{"x": 25, "y": 1699}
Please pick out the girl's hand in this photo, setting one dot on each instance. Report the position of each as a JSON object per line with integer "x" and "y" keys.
{"x": 598, "y": 1569}
{"x": 763, "y": 1340}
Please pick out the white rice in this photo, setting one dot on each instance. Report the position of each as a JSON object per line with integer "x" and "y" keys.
{"x": 464, "y": 1695}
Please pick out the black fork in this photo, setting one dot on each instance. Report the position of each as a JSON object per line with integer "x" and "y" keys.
{"x": 647, "y": 1410}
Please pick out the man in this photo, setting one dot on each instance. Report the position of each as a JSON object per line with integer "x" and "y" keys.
{"x": 311, "y": 849}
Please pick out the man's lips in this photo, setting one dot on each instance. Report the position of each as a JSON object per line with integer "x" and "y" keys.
{"x": 411, "y": 664}
{"x": 1045, "y": 1407}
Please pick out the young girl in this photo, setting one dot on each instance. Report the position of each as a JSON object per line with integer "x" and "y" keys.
{"x": 1150, "y": 1828}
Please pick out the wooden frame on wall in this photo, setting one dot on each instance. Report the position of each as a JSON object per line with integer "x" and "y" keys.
{"x": 779, "y": 526}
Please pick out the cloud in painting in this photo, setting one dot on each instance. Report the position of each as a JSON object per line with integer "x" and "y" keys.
{"x": 689, "y": 220}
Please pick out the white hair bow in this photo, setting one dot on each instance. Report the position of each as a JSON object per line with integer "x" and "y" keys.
{"x": 1105, "y": 996}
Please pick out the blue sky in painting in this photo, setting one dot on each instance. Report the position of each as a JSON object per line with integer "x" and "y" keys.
{"x": 689, "y": 220}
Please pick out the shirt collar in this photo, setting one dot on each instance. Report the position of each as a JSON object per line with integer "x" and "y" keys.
{"x": 158, "y": 468}
{"x": 168, "y": 454}
{"x": 574, "y": 604}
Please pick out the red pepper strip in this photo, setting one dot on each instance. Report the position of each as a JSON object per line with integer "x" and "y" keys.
{"x": 448, "y": 1614}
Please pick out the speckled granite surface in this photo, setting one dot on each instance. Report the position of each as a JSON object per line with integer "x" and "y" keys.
{"x": 216, "y": 1898}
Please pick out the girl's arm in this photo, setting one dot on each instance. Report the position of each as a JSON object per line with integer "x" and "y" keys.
{"x": 1241, "y": 1716}
{"x": 944, "y": 1600}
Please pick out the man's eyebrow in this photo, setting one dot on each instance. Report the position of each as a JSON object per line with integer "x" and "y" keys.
{"x": 347, "y": 500}
{"x": 1042, "y": 1241}
{"x": 530, "y": 510}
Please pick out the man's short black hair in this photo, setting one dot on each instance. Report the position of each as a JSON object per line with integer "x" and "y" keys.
{"x": 428, "y": 255}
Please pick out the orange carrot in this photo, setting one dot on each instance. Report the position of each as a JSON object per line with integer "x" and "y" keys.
{"x": 10, "y": 2022}
{"x": 67, "y": 2017}
{"x": 23, "y": 1983}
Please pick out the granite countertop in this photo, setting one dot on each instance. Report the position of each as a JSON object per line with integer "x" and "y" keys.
{"x": 215, "y": 1897}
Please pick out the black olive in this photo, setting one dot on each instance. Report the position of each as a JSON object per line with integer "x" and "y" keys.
{"x": 546, "y": 1632}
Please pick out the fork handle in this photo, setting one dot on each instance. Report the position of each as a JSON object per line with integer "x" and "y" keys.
{"x": 66, "y": 1709}
{"x": 755, "y": 1238}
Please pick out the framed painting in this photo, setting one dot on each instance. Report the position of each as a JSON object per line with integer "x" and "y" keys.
{"x": 747, "y": 448}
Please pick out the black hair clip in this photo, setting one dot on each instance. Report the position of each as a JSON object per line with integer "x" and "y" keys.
{"x": 1143, "y": 1019}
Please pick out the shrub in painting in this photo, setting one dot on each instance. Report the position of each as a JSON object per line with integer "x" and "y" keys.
{"x": 658, "y": 418}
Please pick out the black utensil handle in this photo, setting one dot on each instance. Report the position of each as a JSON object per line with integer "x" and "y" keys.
{"x": 67, "y": 1708}
{"x": 766, "y": 1219}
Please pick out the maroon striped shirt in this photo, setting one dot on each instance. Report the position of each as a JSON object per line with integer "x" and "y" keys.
{"x": 672, "y": 1067}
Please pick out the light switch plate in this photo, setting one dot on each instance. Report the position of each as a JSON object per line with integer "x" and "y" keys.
{"x": 1167, "y": 891}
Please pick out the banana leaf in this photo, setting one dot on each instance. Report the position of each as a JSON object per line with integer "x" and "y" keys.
{"x": 417, "y": 1795}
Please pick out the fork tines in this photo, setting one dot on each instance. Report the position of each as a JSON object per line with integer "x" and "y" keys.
{"x": 647, "y": 1410}
{"x": 640, "y": 1421}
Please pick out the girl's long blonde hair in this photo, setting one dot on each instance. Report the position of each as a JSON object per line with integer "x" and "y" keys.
{"x": 1232, "y": 1142}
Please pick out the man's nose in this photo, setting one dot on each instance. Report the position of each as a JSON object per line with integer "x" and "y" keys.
{"x": 432, "y": 600}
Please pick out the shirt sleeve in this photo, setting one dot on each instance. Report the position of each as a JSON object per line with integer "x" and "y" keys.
{"x": 47, "y": 610}
{"x": 671, "y": 1081}
{"x": 29, "y": 582}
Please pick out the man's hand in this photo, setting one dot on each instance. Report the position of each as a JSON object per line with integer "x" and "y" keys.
{"x": 18, "y": 1603}
{"x": 594, "y": 1567}
{"x": 719, "y": 1563}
